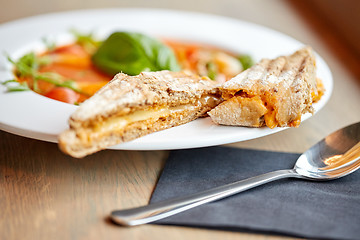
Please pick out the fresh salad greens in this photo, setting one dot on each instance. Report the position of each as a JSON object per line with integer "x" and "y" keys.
{"x": 50, "y": 45}
{"x": 28, "y": 66}
{"x": 211, "y": 70}
{"x": 127, "y": 52}
{"x": 88, "y": 41}
{"x": 133, "y": 53}
{"x": 15, "y": 86}
{"x": 246, "y": 61}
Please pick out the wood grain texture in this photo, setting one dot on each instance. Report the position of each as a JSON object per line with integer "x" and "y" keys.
{"x": 45, "y": 194}
{"x": 48, "y": 195}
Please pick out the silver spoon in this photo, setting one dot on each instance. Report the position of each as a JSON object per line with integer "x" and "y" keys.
{"x": 335, "y": 156}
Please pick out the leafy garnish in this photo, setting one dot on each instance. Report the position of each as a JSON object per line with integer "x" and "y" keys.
{"x": 28, "y": 66}
{"x": 87, "y": 41}
{"x": 133, "y": 53}
{"x": 246, "y": 61}
{"x": 15, "y": 86}
{"x": 57, "y": 80}
{"x": 50, "y": 45}
{"x": 211, "y": 70}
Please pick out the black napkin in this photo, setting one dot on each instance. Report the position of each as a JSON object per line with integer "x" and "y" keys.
{"x": 329, "y": 209}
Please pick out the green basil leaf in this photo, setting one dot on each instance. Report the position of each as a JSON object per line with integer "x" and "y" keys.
{"x": 133, "y": 53}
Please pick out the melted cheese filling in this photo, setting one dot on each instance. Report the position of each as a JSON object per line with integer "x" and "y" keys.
{"x": 118, "y": 123}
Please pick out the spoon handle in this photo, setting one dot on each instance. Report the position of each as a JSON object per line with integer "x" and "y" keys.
{"x": 160, "y": 210}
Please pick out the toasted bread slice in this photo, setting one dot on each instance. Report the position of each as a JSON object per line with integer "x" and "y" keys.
{"x": 129, "y": 107}
{"x": 273, "y": 92}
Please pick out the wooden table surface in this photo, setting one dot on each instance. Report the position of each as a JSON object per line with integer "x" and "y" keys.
{"x": 45, "y": 194}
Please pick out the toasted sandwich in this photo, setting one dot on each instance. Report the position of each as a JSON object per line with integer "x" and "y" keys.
{"x": 129, "y": 107}
{"x": 274, "y": 92}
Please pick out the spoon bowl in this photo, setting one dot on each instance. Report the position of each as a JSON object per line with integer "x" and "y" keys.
{"x": 335, "y": 156}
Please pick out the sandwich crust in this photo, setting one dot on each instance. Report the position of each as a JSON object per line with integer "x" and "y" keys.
{"x": 274, "y": 92}
{"x": 129, "y": 107}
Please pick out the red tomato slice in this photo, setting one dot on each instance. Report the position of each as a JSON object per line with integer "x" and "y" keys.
{"x": 63, "y": 94}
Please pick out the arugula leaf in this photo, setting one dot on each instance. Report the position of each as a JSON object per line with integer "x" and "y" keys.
{"x": 15, "y": 86}
{"x": 86, "y": 40}
{"x": 28, "y": 66}
{"x": 211, "y": 70}
{"x": 133, "y": 53}
{"x": 50, "y": 45}
{"x": 246, "y": 61}
{"x": 57, "y": 80}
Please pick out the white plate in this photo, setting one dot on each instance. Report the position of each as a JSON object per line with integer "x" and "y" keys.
{"x": 32, "y": 115}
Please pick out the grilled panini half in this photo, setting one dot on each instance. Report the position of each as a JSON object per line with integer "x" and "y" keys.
{"x": 274, "y": 92}
{"x": 129, "y": 107}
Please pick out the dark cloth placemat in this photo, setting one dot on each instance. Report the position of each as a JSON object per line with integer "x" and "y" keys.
{"x": 328, "y": 209}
